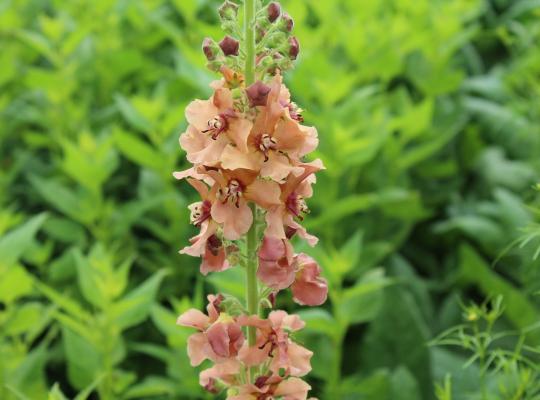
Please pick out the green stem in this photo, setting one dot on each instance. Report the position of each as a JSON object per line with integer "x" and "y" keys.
{"x": 252, "y": 294}
{"x": 251, "y": 245}
{"x": 249, "y": 34}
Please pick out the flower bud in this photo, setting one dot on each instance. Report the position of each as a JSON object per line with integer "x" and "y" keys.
{"x": 286, "y": 23}
{"x": 274, "y": 11}
{"x": 230, "y": 46}
{"x": 266, "y": 62}
{"x": 210, "y": 49}
{"x": 228, "y": 11}
{"x": 261, "y": 32}
{"x": 294, "y": 47}
{"x": 258, "y": 94}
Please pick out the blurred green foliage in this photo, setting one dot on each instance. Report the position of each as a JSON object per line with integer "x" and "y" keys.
{"x": 429, "y": 120}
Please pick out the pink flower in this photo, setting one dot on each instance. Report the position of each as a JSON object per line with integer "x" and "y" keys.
{"x": 226, "y": 372}
{"x": 276, "y": 269}
{"x": 236, "y": 188}
{"x": 273, "y": 342}
{"x": 273, "y": 387}
{"x": 207, "y": 243}
{"x": 308, "y": 287}
{"x": 280, "y": 220}
{"x": 201, "y": 148}
{"x": 220, "y": 336}
{"x": 216, "y": 117}
{"x": 276, "y": 142}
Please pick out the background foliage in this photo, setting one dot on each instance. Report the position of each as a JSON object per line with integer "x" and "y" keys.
{"x": 429, "y": 120}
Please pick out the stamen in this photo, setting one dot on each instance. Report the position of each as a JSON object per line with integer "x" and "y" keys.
{"x": 267, "y": 143}
{"x": 217, "y": 125}
{"x": 297, "y": 205}
{"x": 200, "y": 212}
{"x": 232, "y": 193}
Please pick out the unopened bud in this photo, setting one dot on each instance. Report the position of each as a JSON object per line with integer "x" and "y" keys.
{"x": 286, "y": 23}
{"x": 258, "y": 94}
{"x": 261, "y": 32}
{"x": 266, "y": 62}
{"x": 229, "y": 46}
{"x": 210, "y": 49}
{"x": 228, "y": 11}
{"x": 274, "y": 11}
{"x": 214, "y": 65}
{"x": 294, "y": 48}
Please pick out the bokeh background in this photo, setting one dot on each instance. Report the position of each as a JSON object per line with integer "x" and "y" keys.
{"x": 429, "y": 117}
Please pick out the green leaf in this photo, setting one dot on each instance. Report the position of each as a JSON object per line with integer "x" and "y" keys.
{"x": 398, "y": 337}
{"x": 90, "y": 281}
{"x": 130, "y": 113}
{"x": 56, "y": 393}
{"x": 518, "y": 308}
{"x": 151, "y": 386}
{"x": 135, "y": 307}
{"x": 318, "y": 320}
{"x": 64, "y": 302}
{"x": 28, "y": 377}
{"x": 84, "y": 360}
{"x": 65, "y": 200}
{"x": 404, "y": 385}
{"x": 139, "y": 151}
{"x": 24, "y": 318}
{"x": 15, "y": 283}
{"x": 362, "y": 302}
{"x": 18, "y": 240}
{"x": 229, "y": 282}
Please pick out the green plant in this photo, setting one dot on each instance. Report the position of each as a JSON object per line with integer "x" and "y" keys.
{"x": 503, "y": 373}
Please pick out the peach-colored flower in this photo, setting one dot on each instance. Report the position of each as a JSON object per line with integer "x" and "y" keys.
{"x": 309, "y": 288}
{"x": 227, "y": 372}
{"x": 276, "y": 269}
{"x": 201, "y": 148}
{"x": 273, "y": 342}
{"x": 216, "y": 117}
{"x": 280, "y": 219}
{"x": 236, "y": 188}
{"x": 273, "y": 387}
{"x": 277, "y": 142}
{"x": 207, "y": 243}
{"x": 219, "y": 338}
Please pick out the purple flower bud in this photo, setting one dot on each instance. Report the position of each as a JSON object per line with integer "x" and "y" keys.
{"x": 229, "y": 46}
{"x": 294, "y": 48}
{"x": 286, "y": 23}
{"x": 210, "y": 49}
{"x": 228, "y": 10}
{"x": 258, "y": 94}
{"x": 274, "y": 11}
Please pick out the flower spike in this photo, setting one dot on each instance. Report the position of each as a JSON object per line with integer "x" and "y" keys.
{"x": 247, "y": 145}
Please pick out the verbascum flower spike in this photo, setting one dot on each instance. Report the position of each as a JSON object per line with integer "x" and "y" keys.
{"x": 247, "y": 145}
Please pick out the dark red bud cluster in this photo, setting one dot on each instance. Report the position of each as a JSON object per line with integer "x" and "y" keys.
{"x": 294, "y": 48}
{"x": 258, "y": 94}
{"x": 229, "y": 46}
{"x": 274, "y": 11}
{"x": 210, "y": 49}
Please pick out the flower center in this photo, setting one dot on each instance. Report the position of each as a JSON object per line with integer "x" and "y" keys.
{"x": 294, "y": 111}
{"x": 213, "y": 244}
{"x": 267, "y": 143}
{"x": 200, "y": 212}
{"x": 297, "y": 205}
{"x": 232, "y": 193}
{"x": 217, "y": 125}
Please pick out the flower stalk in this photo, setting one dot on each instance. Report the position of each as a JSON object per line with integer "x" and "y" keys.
{"x": 248, "y": 146}
{"x": 252, "y": 299}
